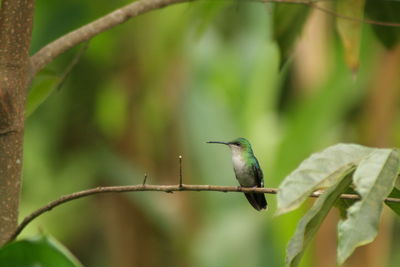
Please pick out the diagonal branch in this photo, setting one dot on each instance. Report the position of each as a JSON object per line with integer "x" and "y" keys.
{"x": 52, "y": 50}
{"x": 88, "y": 31}
{"x": 159, "y": 188}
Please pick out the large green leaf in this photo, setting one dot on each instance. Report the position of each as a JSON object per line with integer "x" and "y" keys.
{"x": 350, "y": 30}
{"x": 44, "y": 251}
{"x": 320, "y": 170}
{"x": 312, "y": 220}
{"x": 374, "y": 179}
{"x": 385, "y": 11}
{"x": 394, "y": 206}
{"x": 288, "y": 20}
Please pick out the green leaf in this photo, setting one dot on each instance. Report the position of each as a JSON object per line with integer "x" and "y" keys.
{"x": 393, "y": 205}
{"x": 46, "y": 82}
{"x": 320, "y": 170}
{"x": 43, "y": 85}
{"x": 350, "y": 30}
{"x": 312, "y": 220}
{"x": 385, "y": 11}
{"x": 288, "y": 22}
{"x": 374, "y": 178}
{"x": 43, "y": 251}
{"x": 206, "y": 11}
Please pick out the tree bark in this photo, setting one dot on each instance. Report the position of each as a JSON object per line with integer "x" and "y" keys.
{"x": 16, "y": 17}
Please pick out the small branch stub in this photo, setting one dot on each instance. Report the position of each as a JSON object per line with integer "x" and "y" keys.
{"x": 145, "y": 179}
{"x": 180, "y": 172}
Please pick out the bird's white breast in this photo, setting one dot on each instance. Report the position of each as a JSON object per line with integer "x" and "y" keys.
{"x": 243, "y": 174}
{"x": 238, "y": 161}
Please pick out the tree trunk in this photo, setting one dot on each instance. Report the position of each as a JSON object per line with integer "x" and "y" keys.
{"x": 16, "y": 18}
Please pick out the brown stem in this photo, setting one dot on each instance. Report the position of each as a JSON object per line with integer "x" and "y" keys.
{"x": 16, "y": 18}
{"x": 159, "y": 188}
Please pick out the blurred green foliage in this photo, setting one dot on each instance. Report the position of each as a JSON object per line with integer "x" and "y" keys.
{"x": 159, "y": 86}
{"x": 43, "y": 251}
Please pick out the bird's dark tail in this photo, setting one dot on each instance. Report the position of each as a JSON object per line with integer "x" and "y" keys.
{"x": 257, "y": 200}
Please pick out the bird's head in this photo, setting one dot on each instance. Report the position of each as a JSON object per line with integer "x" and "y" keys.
{"x": 238, "y": 145}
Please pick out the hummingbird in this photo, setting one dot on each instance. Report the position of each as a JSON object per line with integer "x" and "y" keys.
{"x": 247, "y": 170}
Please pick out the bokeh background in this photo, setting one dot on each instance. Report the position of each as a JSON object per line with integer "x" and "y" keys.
{"x": 163, "y": 84}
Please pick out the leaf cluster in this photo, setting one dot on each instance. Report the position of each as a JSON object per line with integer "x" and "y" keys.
{"x": 370, "y": 172}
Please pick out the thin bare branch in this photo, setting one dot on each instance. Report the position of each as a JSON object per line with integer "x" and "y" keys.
{"x": 366, "y": 21}
{"x": 159, "y": 188}
{"x": 52, "y": 50}
{"x": 88, "y": 31}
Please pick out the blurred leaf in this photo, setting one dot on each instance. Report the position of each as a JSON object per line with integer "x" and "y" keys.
{"x": 385, "y": 11}
{"x": 261, "y": 90}
{"x": 44, "y": 251}
{"x": 374, "y": 178}
{"x": 350, "y": 30}
{"x": 288, "y": 21}
{"x": 111, "y": 109}
{"x": 49, "y": 82}
{"x": 43, "y": 85}
{"x": 343, "y": 203}
{"x": 206, "y": 11}
{"x": 312, "y": 120}
{"x": 320, "y": 170}
{"x": 313, "y": 219}
{"x": 394, "y": 206}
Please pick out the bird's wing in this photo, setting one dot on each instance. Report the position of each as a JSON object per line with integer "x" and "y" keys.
{"x": 258, "y": 174}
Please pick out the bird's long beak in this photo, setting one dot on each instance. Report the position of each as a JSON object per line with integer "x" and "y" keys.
{"x": 217, "y": 142}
